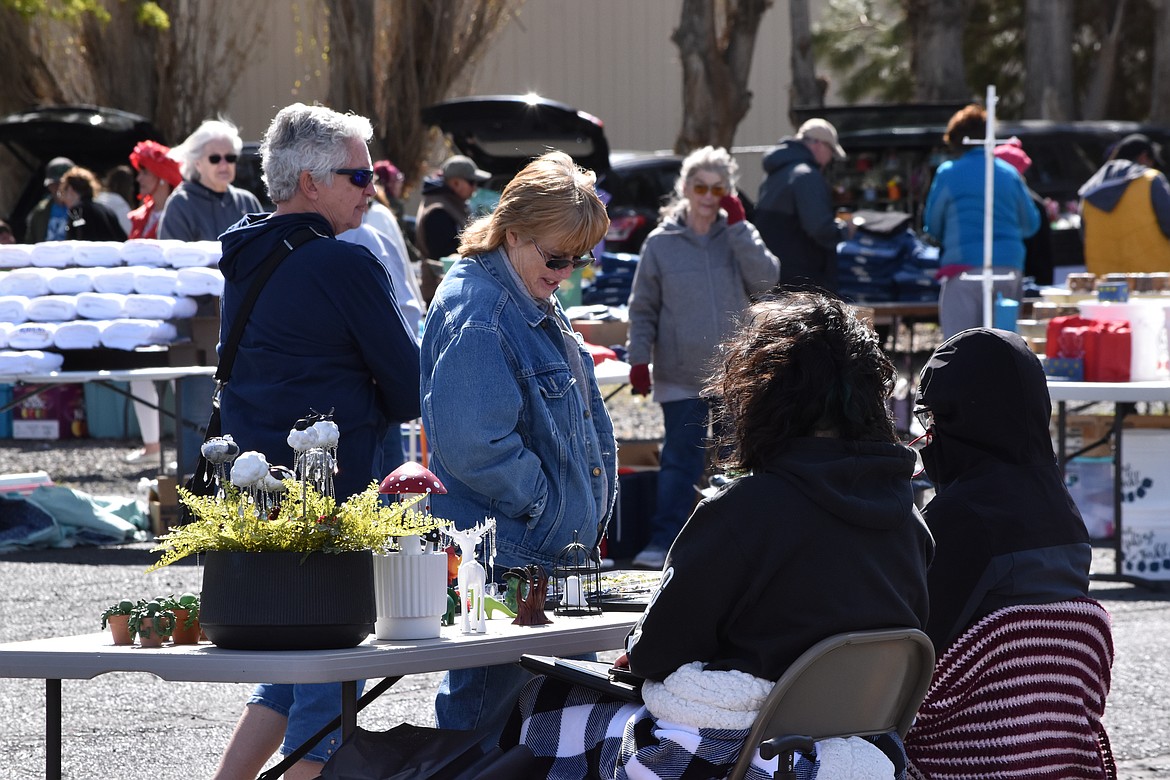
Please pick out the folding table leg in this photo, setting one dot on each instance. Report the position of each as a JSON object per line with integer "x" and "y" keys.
{"x": 53, "y": 729}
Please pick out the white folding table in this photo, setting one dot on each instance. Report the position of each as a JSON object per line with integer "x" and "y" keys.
{"x": 107, "y": 378}
{"x": 89, "y": 655}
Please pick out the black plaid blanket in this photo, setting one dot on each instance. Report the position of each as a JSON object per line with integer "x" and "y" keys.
{"x": 576, "y": 734}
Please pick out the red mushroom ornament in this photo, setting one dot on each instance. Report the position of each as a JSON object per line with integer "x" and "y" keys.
{"x": 409, "y": 480}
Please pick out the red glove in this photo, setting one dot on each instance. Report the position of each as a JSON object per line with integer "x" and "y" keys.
{"x": 734, "y": 208}
{"x": 640, "y": 379}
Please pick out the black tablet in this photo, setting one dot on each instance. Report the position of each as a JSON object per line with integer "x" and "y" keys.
{"x": 596, "y": 675}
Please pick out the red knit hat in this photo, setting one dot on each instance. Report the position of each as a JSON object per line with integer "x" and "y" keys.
{"x": 153, "y": 157}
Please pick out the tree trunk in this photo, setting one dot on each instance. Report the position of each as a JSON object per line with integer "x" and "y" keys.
{"x": 1048, "y": 82}
{"x": 1160, "y": 80}
{"x": 121, "y": 55}
{"x": 1100, "y": 82}
{"x": 351, "y": 71}
{"x": 937, "y": 25}
{"x": 805, "y": 90}
{"x": 431, "y": 45}
{"x": 715, "y": 69}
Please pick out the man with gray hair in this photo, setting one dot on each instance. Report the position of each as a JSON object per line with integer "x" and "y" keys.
{"x": 795, "y": 213}
{"x": 324, "y": 334}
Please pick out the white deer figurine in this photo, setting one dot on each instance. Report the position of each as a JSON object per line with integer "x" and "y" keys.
{"x": 472, "y": 575}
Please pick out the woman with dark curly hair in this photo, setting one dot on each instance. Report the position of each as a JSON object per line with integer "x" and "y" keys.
{"x": 817, "y": 535}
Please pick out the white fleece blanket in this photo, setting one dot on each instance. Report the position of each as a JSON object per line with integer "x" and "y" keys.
{"x": 79, "y": 334}
{"x": 155, "y": 281}
{"x": 29, "y": 362}
{"x": 130, "y": 334}
{"x": 5, "y": 329}
{"x": 144, "y": 252}
{"x": 70, "y": 281}
{"x": 190, "y": 254}
{"x": 100, "y": 306}
{"x": 32, "y": 335}
{"x": 198, "y": 281}
{"x": 114, "y": 280}
{"x": 98, "y": 254}
{"x": 29, "y": 282}
{"x": 158, "y": 307}
{"x": 15, "y": 255}
{"x": 53, "y": 254}
{"x": 14, "y": 308}
{"x": 53, "y": 308}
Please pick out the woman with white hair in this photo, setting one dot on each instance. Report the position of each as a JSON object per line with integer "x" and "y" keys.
{"x": 698, "y": 271}
{"x": 206, "y": 204}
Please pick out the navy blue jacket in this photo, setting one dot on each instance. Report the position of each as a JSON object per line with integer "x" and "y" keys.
{"x": 325, "y": 334}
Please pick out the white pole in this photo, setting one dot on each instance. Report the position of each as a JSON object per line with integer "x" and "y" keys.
{"x": 988, "y": 206}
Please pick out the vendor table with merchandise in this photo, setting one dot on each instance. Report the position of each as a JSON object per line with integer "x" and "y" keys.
{"x": 86, "y": 656}
{"x": 1122, "y": 395}
{"x": 107, "y": 378}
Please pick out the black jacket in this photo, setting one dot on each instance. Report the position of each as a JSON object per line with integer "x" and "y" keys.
{"x": 825, "y": 540}
{"x": 1007, "y": 531}
{"x": 796, "y": 219}
{"x": 91, "y": 221}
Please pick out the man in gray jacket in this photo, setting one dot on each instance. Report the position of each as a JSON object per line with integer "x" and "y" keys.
{"x": 795, "y": 210}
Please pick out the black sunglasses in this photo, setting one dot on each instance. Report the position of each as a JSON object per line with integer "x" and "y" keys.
{"x": 358, "y": 177}
{"x": 215, "y": 158}
{"x": 560, "y": 262}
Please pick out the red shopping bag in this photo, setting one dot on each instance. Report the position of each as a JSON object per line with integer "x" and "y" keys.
{"x": 1104, "y": 348}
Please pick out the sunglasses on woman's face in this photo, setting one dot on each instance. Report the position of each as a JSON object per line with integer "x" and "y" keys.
{"x": 358, "y": 177}
{"x": 560, "y": 262}
{"x": 215, "y": 158}
{"x": 718, "y": 190}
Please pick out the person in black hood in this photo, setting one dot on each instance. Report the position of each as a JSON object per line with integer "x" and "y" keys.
{"x": 1006, "y": 530}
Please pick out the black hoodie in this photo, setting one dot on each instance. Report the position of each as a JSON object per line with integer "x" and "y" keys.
{"x": 1005, "y": 528}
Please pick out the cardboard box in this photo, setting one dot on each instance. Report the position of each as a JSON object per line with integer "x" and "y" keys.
{"x": 162, "y": 518}
{"x": 603, "y": 333}
{"x": 638, "y": 454}
{"x": 1082, "y": 429}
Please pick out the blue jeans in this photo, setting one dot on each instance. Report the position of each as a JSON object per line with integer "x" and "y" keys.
{"x": 683, "y": 460}
{"x": 308, "y": 708}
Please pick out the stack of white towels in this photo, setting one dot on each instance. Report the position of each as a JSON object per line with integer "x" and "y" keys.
{"x": 89, "y": 294}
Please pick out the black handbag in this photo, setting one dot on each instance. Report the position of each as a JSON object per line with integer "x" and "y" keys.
{"x": 202, "y": 481}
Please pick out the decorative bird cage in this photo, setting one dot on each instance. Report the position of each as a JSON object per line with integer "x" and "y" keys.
{"x": 577, "y": 580}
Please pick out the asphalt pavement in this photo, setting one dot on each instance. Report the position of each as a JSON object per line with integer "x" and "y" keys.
{"x": 117, "y": 722}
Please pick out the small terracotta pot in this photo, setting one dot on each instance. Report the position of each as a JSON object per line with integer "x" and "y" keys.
{"x": 183, "y": 635}
{"x": 148, "y": 637}
{"x": 120, "y": 629}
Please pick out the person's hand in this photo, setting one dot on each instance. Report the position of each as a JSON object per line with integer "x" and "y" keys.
{"x": 622, "y": 662}
{"x": 734, "y": 208}
{"x": 640, "y": 379}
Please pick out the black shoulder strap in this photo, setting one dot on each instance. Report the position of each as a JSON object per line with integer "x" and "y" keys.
{"x": 228, "y": 355}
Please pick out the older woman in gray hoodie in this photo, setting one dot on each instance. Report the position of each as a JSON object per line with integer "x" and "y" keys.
{"x": 697, "y": 273}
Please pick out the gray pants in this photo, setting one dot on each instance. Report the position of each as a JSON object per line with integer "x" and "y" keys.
{"x": 960, "y": 301}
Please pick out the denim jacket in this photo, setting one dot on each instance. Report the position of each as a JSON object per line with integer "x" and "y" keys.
{"x": 511, "y": 435}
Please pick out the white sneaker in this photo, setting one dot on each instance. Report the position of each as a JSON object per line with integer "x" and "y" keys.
{"x": 650, "y": 558}
{"x": 139, "y": 455}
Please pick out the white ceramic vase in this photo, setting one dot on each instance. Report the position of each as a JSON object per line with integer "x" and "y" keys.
{"x": 410, "y": 591}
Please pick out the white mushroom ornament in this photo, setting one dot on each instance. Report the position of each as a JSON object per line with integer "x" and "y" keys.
{"x": 407, "y": 481}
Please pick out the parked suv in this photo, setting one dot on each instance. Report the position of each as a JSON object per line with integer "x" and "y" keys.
{"x": 502, "y": 133}
{"x": 92, "y": 136}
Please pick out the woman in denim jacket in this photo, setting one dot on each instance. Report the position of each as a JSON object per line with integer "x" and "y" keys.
{"x": 516, "y": 423}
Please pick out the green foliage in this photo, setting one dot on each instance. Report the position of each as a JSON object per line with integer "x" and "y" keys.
{"x": 187, "y": 601}
{"x": 123, "y": 607}
{"x": 162, "y": 619}
{"x": 149, "y": 13}
{"x": 869, "y": 43}
{"x": 305, "y": 522}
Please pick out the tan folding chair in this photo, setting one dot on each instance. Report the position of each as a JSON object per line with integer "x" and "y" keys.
{"x": 856, "y": 684}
